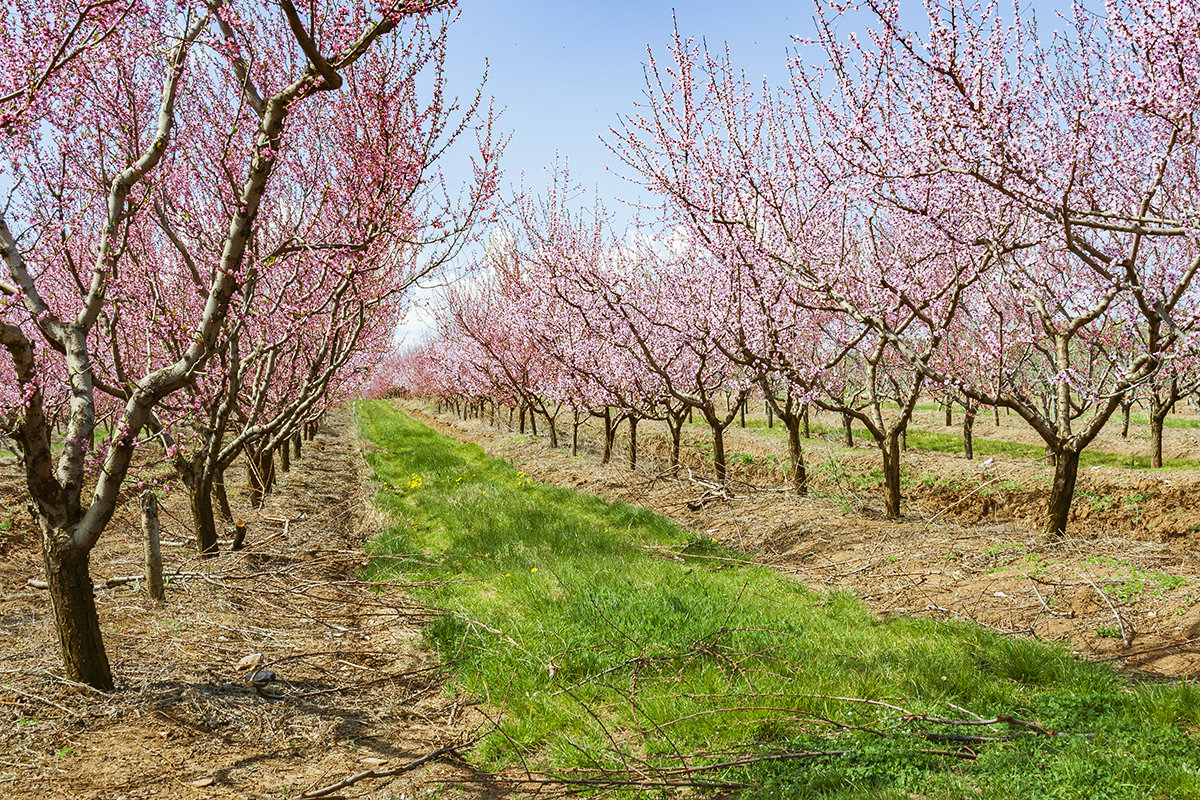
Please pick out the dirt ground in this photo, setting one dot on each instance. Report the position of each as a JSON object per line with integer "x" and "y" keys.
{"x": 1123, "y": 586}
{"x": 357, "y": 690}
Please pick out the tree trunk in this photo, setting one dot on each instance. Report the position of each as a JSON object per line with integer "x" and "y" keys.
{"x": 254, "y": 478}
{"x": 742, "y": 412}
{"x": 719, "y": 452}
{"x": 219, "y": 488}
{"x": 1158, "y": 415}
{"x": 76, "y": 621}
{"x": 296, "y": 444}
{"x": 770, "y": 416}
{"x": 847, "y": 430}
{"x": 796, "y": 456}
{"x": 522, "y": 420}
{"x": 532, "y": 421}
{"x": 890, "y": 447}
{"x": 675, "y": 426}
{"x": 904, "y": 438}
{"x": 553, "y": 430}
{"x": 1062, "y": 492}
{"x": 996, "y": 415}
{"x": 285, "y": 459}
{"x": 949, "y": 415}
{"x": 968, "y": 431}
{"x": 200, "y": 500}
{"x": 606, "y": 453}
{"x": 804, "y": 422}
{"x": 150, "y": 545}
{"x": 633, "y": 423}
{"x": 575, "y": 432}
{"x": 1125, "y": 409}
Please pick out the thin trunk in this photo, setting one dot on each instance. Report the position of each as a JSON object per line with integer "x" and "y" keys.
{"x": 532, "y": 421}
{"x": 254, "y": 478}
{"x": 1126, "y": 408}
{"x": 996, "y": 415}
{"x": 949, "y": 415}
{"x": 200, "y": 501}
{"x": 553, "y": 430}
{"x": 796, "y": 455}
{"x": 904, "y": 438}
{"x": 219, "y": 488}
{"x": 76, "y": 621}
{"x": 1158, "y": 416}
{"x": 610, "y": 435}
{"x": 296, "y": 445}
{"x": 742, "y": 412}
{"x": 152, "y": 550}
{"x": 719, "y": 451}
{"x": 575, "y": 432}
{"x": 285, "y": 457}
{"x": 968, "y": 430}
{"x": 522, "y": 420}
{"x": 804, "y": 421}
{"x": 770, "y": 416}
{"x": 890, "y": 447}
{"x": 675, "y": 426}
{"x": 1062, "y": 492}
{"x": 847, "y": 430}
{"x": 633, "y": 423}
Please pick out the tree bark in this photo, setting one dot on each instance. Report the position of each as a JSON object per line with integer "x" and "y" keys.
{"x": 847, "y": 430}
{"x": 521, "y": 429}
{"x": 996, "y": 415}
{"x": 742, "y": 412}
{"x": 285, "y": 457}
{"x": 254, "y": 478}
{"x": 200, "y": 501}
{"x": 633, "y": 423}
{"x": 796, "y": 455}
{"x": 610, "y": 433}
{"x": 219, "y": 488}
{"x": 968, "y": 432}
{"x": 296, "y": 444}
{"x": 675, "y": 427}
{"x": 75, "y": 617}
{"x": 1062, "y": 492}
{"x": 804, "y": 421}
{"x": 1158, "y": 416}
{"x": 770, "y": 416}
{"x": 890, "y": 447}
{"x": 575, "y": 432}
{"x": 153, "y": 552}
{"x": 1126, "y": 408}
{"x": 719, "y": 452}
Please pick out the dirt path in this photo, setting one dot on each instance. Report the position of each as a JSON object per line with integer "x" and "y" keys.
{"x": 1124, "y": 587}
{"x": 357, "y": 688}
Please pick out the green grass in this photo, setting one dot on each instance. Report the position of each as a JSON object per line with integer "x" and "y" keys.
{"x": 931, "y": 441}
{"x": 606, "y": 635}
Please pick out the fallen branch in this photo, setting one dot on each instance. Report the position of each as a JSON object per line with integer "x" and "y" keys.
{"x": 387, "y": 773}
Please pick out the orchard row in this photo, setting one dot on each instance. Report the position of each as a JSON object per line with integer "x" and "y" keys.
{"x": 984, "y": 213}
{"x": 215, "y": 212}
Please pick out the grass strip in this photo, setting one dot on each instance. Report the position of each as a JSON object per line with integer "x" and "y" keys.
{"x": 933, "y": 441}
{"x": 616, "y": 643}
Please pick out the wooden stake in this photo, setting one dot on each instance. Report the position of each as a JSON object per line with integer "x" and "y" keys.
{"x": 150, "y": 529}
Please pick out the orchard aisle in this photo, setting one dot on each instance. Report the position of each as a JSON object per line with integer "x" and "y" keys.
{"x": 998, "y": 574}
{"x": 356, "y": 689}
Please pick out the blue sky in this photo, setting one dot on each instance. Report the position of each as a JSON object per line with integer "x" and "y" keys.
{"x": 565, "y": 71}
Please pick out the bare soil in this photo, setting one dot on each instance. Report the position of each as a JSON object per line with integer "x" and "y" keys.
{"x": 356, "y": 690}
{"x": 1123, "y": 586}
